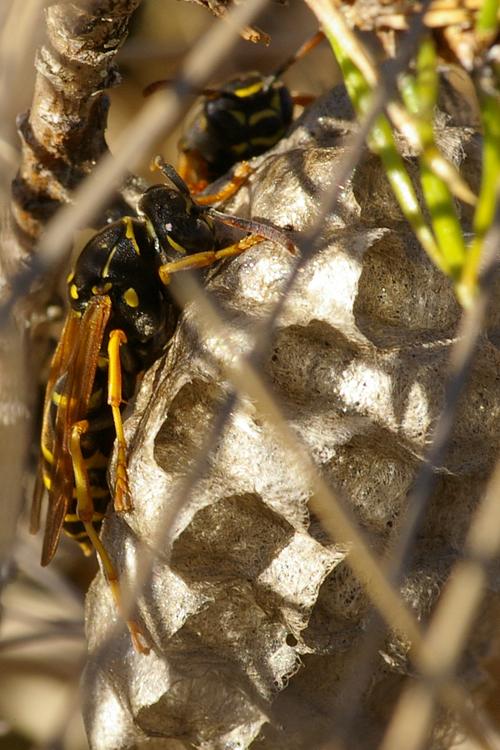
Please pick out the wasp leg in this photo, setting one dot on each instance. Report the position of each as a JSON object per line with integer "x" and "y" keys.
{"x": 238, "y": 178}
{"x": 192, "y": 167}
{"x": 303, "y": 100}
{"x": 121, "y": 498}
{"x": 192, "y": 170}
{"x": 85, "y": 513}
{"x": 200, "y": 260}
{"x": 303, "y": 50}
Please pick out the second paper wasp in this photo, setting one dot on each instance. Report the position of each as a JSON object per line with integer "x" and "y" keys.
{"x": 236, "y": 121}
{"x": 120, "y": 319}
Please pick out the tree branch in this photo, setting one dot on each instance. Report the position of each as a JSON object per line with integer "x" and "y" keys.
{"x": 63, "y": 132}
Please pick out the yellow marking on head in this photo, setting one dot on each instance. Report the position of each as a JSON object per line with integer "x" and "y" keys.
{"x": 264, "y": 114}
{"x": 105, "y": 270}
{"x": 102, "y": 289}
{"x": 47, "y": 481}
{"x": 176, "y": 246}
{"x": 188, "y": 203}
{"x": 70, "y": 277}
{"x": 73, "y": 291}
{"x": 58, "y": 399}
{"x": 239, "y": 148}
{"x": 240, "y": 117}
{"x": 150, "y": 229}
{"x": 130, "y": 297}
{"x": 268, "y": 140}
{"x": 130, "y": 234}
{"x": 245, "y": 91}
{"x": 47, "y": 454}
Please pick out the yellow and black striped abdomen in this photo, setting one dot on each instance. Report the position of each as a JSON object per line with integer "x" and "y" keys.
{"x": 96, "y": 462}
{"x": 97, "y": 446}
{"x": 244, "y": 118}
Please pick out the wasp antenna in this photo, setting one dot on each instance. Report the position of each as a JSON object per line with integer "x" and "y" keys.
{"x": 168, "y": 171}
{"x": 164, "y": 83}
{"x": 308, "y": 45}
{"x": 267, "y": 231}
{"x": 210, "y": 93}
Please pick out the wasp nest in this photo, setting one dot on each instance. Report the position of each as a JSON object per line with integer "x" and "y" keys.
{"x": 253, "y": 613}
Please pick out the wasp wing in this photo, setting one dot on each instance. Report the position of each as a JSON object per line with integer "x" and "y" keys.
{"x": 58, "y": 366}
{"x": 72, "y": 374}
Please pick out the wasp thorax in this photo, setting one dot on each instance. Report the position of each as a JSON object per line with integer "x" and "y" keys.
{"x": 247, "y": 116}
{"x": 118, "y": 262}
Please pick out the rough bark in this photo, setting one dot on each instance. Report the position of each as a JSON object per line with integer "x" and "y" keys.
{"x": 63, "y": 132}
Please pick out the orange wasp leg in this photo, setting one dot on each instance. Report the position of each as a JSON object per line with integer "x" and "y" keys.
{"x": 193, "y": 170}
{"x": 238, "y": 178}
{"x": 200, "y": 260}
{"x": 85, "y": 512}
{"x": 303, "y": 100}
{"x": 122, "y": 500}
{"x": 190, "y": 164}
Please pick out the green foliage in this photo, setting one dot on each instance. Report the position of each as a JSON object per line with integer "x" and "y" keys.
{"x": 436, "y": 225}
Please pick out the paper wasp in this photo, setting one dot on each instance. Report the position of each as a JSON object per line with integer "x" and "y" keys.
{"x": 120, "y": 319}
{"x": 243, "y": 118}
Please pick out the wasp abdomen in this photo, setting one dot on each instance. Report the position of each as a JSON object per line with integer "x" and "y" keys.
{"x": 247, "y": 116}
{"x": 96, "y": 445}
